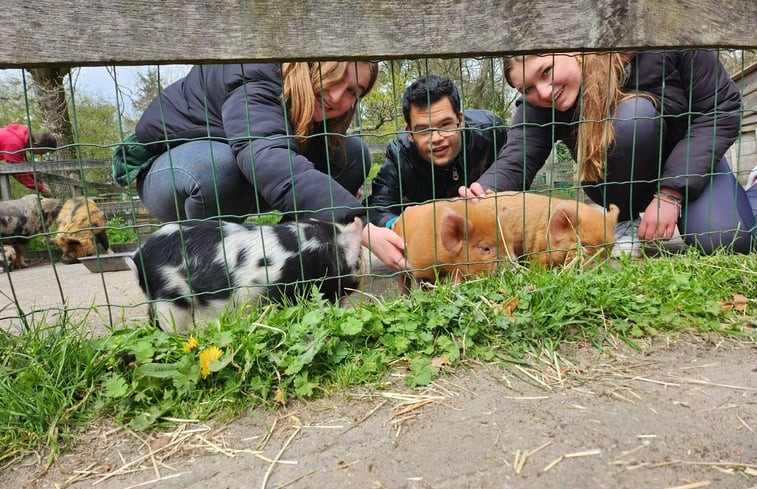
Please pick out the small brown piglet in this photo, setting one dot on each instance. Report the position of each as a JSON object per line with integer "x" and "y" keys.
{"x": 452, "y": 237}
{"x": 554, "y": 231}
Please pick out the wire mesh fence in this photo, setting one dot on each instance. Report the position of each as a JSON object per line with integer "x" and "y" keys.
{"x": 668, "y": 137}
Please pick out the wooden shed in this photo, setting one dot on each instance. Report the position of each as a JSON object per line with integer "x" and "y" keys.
{"x": 743, "y": 154}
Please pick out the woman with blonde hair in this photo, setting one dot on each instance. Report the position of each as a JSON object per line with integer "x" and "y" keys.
{"x": 231, "y": 140}
{"x": 649, "y": 130}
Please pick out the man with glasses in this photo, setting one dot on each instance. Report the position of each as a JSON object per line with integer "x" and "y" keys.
{"x": 440, "y": 150}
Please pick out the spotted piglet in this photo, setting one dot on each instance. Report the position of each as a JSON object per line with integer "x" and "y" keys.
{"x": 192, "y": 272}
{"x": 23, "y": 219}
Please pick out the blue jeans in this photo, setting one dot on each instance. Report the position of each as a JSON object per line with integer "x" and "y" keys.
{"x": 721, "y": 214}
{"x": 201, "y": 179}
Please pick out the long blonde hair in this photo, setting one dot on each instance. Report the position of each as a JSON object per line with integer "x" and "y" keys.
{"x": 603, "y": 76}
{"x": 302, "y": 81}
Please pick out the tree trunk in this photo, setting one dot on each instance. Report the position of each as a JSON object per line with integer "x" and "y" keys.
{"x": 53, "y": 106}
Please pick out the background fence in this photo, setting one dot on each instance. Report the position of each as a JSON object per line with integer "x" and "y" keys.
{"x": 133, "y": 33}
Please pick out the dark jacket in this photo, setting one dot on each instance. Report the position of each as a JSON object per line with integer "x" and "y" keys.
{"x": 242, "y": 104}
{"x": 700, "y": 106}
{"x": 407, "y": 179}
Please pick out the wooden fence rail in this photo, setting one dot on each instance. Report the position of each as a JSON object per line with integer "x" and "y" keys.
{"x": 108, "y": 32}
{"x": 53, "y": 165}
{"x": 47, "y": 170}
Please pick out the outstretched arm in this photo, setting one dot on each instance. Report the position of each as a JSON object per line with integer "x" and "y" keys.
{"x": 713, "y": 122}
{"x": 268, "y": 152}
{"x": 529, "y": 141}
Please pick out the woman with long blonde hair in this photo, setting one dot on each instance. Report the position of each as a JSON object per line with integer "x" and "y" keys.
{"x": 232, "y": 140}
{"x": 649, "y": 131}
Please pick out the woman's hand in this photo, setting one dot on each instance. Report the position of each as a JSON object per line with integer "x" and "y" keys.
{"x": 661, "y": 216}
{"x": 387, "y": 245}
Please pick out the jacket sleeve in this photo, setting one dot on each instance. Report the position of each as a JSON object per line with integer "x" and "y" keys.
{"x": 529, "y": 142}
{"x": 260, "y": 136}
{"x": 385, "y": 200}
{"x": 15, "y": 141}
{"x": 500, "y": 134}
{"x": 715, "y": 103}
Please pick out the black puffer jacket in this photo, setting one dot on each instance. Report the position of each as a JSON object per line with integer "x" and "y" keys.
{"x": 484, "y": 135}
{"x": 241, "y": 104}
{"x": 700, "y": 105}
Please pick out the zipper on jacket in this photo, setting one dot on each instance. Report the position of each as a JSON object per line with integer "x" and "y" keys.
{"x": 455, "y": 175}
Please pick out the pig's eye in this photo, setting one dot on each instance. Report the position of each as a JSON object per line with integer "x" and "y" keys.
{"x": 486, "y": 249}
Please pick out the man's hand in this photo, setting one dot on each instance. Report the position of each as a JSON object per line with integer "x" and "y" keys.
{"x": 474, "y": 191}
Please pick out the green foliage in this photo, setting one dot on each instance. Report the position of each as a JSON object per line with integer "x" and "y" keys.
{"x": 563, "y": 153}
{"x": 117, "y": 229}
{"x": 15, "y": 108}
{"x": 96, "y": 125}
{"x": 265, "y": 219}
{"x": 37, "y": 243}
{"x": 150, "y": 83}
{"x": 53, "y": 380}
{"x": 48, "y": 379}
{"x": 120, "y": 232}
{"x": 480, "y": 83}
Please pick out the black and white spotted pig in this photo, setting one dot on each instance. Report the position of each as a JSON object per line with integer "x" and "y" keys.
{"x": 21, "y": 220}
{"x": 264, "y": 263}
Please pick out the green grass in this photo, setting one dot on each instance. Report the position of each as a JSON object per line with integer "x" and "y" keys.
{"x": 48, "y": 380}
{"x": 55, "y": 380}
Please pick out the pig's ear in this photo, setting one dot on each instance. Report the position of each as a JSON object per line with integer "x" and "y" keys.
{"x": 452, "y": 230}
{"x": 349, "y": 240}
{"x": 612, "y": 214}
{"x": 50, "y": 205}
{"x": 70, "y": 241}
{"x": 563, "y": 221}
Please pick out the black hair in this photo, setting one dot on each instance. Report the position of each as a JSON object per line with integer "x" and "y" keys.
{"x": 429, "y": 89}
{"x": 45, "y": 140}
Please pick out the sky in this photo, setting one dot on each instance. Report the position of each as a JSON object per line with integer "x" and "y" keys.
{"x": 99, "y": 82}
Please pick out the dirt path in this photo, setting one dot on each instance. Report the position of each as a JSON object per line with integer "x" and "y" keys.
{"x": 42, "y": 290}
{"x": 684, "y": 415}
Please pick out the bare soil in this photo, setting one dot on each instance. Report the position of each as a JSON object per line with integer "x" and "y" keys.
{"x": 681, "y": 414}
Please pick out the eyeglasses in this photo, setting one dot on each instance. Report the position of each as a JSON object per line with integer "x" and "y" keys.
{"x": 445, "y": 130}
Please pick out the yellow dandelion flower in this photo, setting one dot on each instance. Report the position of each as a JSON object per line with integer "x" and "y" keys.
{"x": 208, "y": 355}
{"x": 191, "y": 344}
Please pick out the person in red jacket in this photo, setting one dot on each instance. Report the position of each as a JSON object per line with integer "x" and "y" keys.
{"x": 14, "y": 142}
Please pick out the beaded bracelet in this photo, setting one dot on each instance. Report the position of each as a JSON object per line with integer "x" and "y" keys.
{"x": 670, "y": 198}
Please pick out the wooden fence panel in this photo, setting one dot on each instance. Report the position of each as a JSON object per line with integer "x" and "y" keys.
{"x": 107, "y": 32}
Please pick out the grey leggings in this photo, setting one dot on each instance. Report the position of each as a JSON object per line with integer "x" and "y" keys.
{"x": 201, "y": 179}
{"x": 720, "y": 217}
